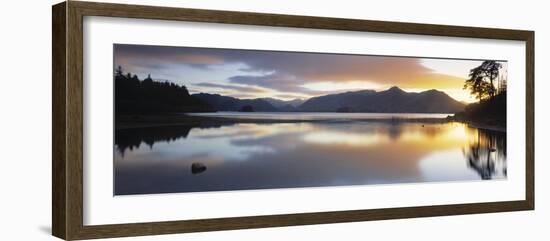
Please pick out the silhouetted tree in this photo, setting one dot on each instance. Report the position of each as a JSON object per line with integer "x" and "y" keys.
{"x": 118, "y": 71}
{"x": 491, "y": 69}
{"x": 481, "y": 79}
{"x": 149, "y": 96}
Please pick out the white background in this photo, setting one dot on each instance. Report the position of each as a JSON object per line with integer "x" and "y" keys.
{"x": 25, "y": 128}
{"x": 101, "y": 208}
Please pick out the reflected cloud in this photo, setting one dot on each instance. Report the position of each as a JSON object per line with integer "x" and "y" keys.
{"x": 285, "y": 155}
{"x": 334, "y": 137}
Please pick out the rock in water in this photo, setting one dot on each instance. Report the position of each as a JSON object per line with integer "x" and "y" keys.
{"x": 197, "y": 168}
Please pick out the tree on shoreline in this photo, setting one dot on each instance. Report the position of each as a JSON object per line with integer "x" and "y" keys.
{"x": 481, "y": 79}
{"x": 491, "y": 108}
{"x": 133, "y": 95}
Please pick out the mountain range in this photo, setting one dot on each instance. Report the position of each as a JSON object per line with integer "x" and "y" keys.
{"x": 285, "y": 105}
{"x": 227, "y": 103}
{"x": 392, "y": 100}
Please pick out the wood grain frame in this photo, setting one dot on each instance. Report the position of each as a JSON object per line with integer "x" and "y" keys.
{"x": 67, "y": 156}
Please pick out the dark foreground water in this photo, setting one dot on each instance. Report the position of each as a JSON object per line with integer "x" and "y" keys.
{"x": 287, "y": 155}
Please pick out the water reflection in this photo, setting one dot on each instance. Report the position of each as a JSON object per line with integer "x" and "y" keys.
{"x": 130, "y": 139}
{"x": 486, "y": 154}
{"x": 285, "y": 155}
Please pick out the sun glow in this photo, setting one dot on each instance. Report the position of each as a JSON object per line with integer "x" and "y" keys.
{"x": 335, "y": 137}
{"x": 290, "y": 75}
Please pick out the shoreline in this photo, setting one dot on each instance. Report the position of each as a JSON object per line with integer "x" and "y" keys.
{"x": 478, "y": 125}
{"x": 486, "y": 127}
{"x": 130, "y": 121}
{"x": 143, "y": 121}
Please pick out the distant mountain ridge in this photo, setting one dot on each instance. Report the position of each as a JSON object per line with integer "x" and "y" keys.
{"x": 285, "y": 105}
{"x": 392, "y": 100}
{"x": 282, "y": 103}
{"x": 226, "y": 103}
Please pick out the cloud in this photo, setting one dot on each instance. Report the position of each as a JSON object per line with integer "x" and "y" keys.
{"x": 290, "y": 96}
{"x": 159, "y": 57}
{"x": 301, "y": 68}
{"x": 272, "y": 81}
{"x": 293, "y": 72}
{"x": 232, "y": 87}
{"x": 278, "y": 82}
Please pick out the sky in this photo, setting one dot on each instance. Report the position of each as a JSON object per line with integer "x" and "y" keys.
{"x": 291, "y": 75}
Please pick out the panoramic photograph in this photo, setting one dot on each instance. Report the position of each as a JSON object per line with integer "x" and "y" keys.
{"x": 190, "y": 119}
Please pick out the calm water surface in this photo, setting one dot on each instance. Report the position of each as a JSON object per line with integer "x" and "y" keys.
{"x": 286, "y": 155}
{"x": 319, "y": 116}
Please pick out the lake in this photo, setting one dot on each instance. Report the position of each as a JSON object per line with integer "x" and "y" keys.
{"x": 320, "y": 115}
{"x": 357, "y": 149}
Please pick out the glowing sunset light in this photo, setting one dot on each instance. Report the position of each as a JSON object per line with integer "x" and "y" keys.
{"x": 290, "y": 75}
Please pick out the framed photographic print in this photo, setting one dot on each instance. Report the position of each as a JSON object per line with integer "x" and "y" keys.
{"x": 170, "y": 120}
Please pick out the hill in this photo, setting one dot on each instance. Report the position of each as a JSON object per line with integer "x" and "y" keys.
{"x": 490, "y": 112}
{"x": 393, "y": 100}
{"x": 226, "y": 103}
{"x": 135, "y": 96}
{"x": 284, "y": 103}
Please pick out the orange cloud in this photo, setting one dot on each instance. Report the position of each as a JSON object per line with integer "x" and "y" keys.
{"x": 292, "y": 72}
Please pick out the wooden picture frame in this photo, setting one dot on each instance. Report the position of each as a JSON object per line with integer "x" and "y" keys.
{"x": 67, "y": 152}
